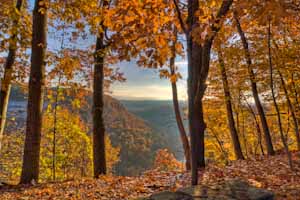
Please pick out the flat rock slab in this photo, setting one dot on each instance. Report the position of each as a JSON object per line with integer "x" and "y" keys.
{"x": 170, "y": 196}
{"x": 229, "y": 190}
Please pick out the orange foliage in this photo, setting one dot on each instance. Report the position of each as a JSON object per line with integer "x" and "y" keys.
{"x": 165, "y": 161}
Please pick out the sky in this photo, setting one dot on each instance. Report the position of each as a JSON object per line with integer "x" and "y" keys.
{"x": 141, "y": 83}
{"x": 145, "y": 84}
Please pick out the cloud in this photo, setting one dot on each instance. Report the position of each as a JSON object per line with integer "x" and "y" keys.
{"x": 181, "y": 63}
{"x": 147, "y": 92}
{"x": 145, "y": 84}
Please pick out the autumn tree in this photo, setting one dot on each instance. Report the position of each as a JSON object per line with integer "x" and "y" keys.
{"x": 114, "y": 23}
{"x": 286, "y": 147}
{"x": 254, "y": 89}
{"x": 16, "y": 19}
{"x": 174, "y": 76}
{"x": 5, "y": 83}
{"x": 30, "y": 168}
{"x": 200, "y": 37}
{"x": 230, "y": 117}
{"x": 183, "y": 135}
{"x": 73, "y": 147}
{"x": 98, "y": 123}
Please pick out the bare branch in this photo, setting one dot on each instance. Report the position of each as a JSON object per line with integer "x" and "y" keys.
{"x": 179, "y": 15}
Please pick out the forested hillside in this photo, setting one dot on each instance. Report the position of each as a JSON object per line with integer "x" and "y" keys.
{"x": 128, "y": 132}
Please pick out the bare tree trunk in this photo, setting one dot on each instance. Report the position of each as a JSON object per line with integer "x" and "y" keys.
{"x": 220, "y": 143}
{"x": 99, "y": 156}
{"x": 295, "y": 121}
{"x": 183, "y": 135}
{"x": 291, "y": 108}
{"x": 243, "y": 134}
{"x": 54, "y": 131}
{"x": 258, "y": 104}
{"x": 55, "y": 113}
{"x": 30, "y": 168}
{"x": 283, "y": 139}
{"x": 8, "y": 71}
{"x": 234, "y": 135}
{"x": 295, "y": 93}
{"x": 259, "y": 138}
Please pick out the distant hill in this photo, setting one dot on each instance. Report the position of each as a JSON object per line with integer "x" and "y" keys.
{"x": 160, "y": 115}
{"x": 137, "y": 139}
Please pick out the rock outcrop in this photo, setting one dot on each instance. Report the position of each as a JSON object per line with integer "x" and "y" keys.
{"x": 228, "y": 190}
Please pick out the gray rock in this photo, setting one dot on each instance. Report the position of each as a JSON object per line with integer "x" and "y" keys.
{"x": 228, "y": 190}
{"x": 170, "y": 196}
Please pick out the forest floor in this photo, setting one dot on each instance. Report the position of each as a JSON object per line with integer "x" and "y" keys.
{"x": 271, "y": 173}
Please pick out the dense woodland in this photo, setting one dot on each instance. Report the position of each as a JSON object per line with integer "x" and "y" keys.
{"x": 243, "y": 85}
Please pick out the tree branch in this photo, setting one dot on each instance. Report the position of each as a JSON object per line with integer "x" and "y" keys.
{"x": 182, "y": 24}
{"x": 216, "y": 26}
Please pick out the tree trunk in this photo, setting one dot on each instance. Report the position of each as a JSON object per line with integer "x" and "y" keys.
{"x": 296, "y": 95}
{"x": 98, "y": 122}
{"x": 30, "y": 168}
{"x": 220, "y": 144}
{"x": 295, "y": 121}
{"x": 243, "y": 134}
{"x": 198, "y": 67}
{"x": 55, "y": 130}
{"x": 234, "y": 135}
{"x": 268, "y": 139}
{"x": 195, "y": 114}
{"x": 8, "y": 71}
{"x": 259, "y": 138}
{"x": 291, "y": 108}
{"x": 183, "y": 135}
{"x": 283, "y": 139}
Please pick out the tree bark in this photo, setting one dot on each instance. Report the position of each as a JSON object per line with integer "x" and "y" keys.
{"x": 30, "y": 168}
{"x": 183, "y": 135}
{"x": 198, "y": 67}
{"x": 99, "y": 156}
{"x": 234, "y": 135}
{"x": 6, "y": 81}
{"x": 267, "y": 136}
{"x": 195, "y": 114}
{"x": 291, "y": 107}
{"x": 283, "y": 139}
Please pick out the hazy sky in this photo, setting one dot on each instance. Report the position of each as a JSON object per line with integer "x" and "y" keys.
{"x": 145, "y": 83}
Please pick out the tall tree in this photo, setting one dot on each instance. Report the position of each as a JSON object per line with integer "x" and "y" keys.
{"x": 98, "y": 104}
{"x": 8, "y": 72}
{"x": 259, "y": 135}
{"x": 254, "y": 89}
{"x": 291, "y": 108}
{"x": 289, "y": 102}
{"x": 183, "y": 135}
{"x": 198, "y": 56}
{"x": 234, "y": 134}
{"x": 283, "y": 139}
{"x": 30, "y": 167}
